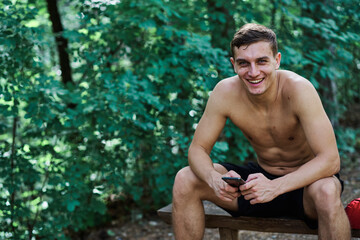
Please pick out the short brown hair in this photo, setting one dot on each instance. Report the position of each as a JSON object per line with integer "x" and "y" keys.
{"x": 252, "y": 33}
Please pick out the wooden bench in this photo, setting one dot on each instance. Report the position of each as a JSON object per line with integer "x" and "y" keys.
{"x": 228, "y": 226}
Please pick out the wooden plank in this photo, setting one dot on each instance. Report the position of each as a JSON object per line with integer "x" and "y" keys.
{"x": 165, "y": 213}
{"x": 216, "y": 217}
{"x": 228, "y": 234}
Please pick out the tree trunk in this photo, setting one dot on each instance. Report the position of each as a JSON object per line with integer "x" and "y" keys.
{"x": 12, "y": 166}
{"x": 221, "y": 32}
{"x": 61, "y": 42}
{"x": 273, "y": 13}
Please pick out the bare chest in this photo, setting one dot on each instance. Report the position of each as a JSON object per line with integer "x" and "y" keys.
{"x": 277, "y": 129}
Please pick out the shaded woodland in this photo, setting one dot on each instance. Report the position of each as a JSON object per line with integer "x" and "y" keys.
{"x": 99, "y": 99}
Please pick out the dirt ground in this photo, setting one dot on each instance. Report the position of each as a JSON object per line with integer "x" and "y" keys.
{"x": 152, "y": 228}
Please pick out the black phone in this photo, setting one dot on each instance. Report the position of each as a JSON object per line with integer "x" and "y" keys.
{"x": 234, "y": 181}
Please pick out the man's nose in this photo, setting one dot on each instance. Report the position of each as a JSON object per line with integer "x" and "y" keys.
{"x": 253, "y": 70}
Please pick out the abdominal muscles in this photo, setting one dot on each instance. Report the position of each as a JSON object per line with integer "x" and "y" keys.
{"x": 279, "y": 161}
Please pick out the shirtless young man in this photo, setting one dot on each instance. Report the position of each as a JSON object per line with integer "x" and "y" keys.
{"x": 282, "y": 116}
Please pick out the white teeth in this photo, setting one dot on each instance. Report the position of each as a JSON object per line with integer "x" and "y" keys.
{"x": 255, "y": 81}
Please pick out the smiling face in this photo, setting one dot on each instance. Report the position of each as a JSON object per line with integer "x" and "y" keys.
{"x": 256, "y": 66}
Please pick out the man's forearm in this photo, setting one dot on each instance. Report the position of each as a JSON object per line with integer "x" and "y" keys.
{"x": 201, "y": 163}
{"x": 315, "y": 169}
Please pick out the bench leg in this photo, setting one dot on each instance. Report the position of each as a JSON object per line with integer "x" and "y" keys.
{"x": 228, "y": 234}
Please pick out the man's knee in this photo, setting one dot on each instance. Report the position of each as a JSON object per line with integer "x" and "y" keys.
{"x": 185, "y": 182}
{"x": 325, "y": 194}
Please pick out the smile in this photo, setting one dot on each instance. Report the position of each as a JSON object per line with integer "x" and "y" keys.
{"x": 255, "y": 81}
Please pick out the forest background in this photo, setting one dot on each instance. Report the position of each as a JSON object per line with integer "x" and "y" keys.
{"x": 99, "y": 99}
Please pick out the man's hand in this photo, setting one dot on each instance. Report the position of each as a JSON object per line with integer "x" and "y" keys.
{"x": 258, "y": 189}
{"x": 223, "y": 190}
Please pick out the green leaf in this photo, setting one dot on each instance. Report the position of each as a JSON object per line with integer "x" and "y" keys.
{"x": 71, "y": 205}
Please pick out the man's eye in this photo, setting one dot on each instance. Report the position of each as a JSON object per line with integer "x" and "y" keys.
{"x": 242, "y": 63}
{"x": 262, "y": 61}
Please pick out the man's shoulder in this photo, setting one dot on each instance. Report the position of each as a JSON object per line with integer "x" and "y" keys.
{"x": 225, "y": 94}
{"x": 294, "y": 83}
{"x": 229, "y": 81}
{"x": 228, "y": 85}
{"x": 298, "y": 91}
{"x": 290, "y": 76}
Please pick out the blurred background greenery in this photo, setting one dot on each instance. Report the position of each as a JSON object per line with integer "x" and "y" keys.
{"x": 99, "y": 99}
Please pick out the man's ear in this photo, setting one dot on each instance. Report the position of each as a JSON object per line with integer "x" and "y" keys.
{"x": 233, "y": 63}
{"x": 278, "y": 60}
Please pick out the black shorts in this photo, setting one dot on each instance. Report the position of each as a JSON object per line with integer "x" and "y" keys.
{"x": 289, "y": 205}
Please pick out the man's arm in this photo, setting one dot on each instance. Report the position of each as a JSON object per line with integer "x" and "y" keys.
{"x": 206, "y": 134}
{"x": 321, "y": 138}
{"x": 319, "y": 134}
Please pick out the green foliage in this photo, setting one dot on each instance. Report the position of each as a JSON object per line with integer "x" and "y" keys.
{"x": 348, "y": 140}
{"x": 142, "y": 72}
